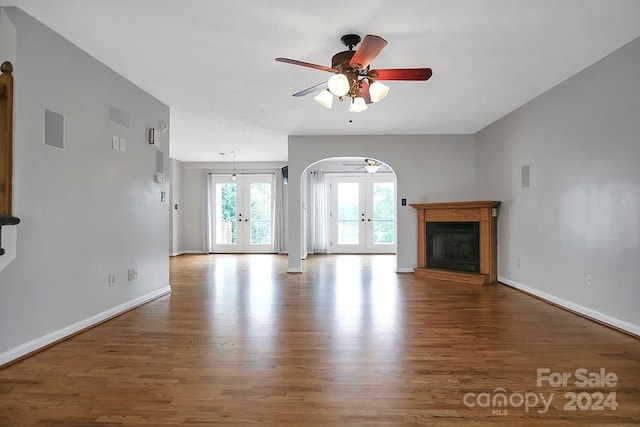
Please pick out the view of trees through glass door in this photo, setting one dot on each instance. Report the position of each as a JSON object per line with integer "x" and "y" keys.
{"x": 242, "y": 213}
{"x": 363, "y": 214}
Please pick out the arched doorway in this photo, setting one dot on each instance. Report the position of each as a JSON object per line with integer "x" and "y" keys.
{"x": 347, "y": 208}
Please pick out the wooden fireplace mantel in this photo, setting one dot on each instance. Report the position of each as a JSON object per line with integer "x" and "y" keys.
{"x": 484, "y": 212}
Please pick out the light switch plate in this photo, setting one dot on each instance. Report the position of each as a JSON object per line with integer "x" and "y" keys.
{"x": 122, "y": 144}
{"x": 115, "y": 143}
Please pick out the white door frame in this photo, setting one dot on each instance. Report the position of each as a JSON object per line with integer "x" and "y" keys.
{"x": 365, "y": 215}
{"x": 242, "y": 220}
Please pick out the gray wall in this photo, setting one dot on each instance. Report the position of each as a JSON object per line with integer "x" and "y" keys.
{"x": 429, "y": 168}
{"x": 193, "y": 212}
{"x": 86, "y": 210}
{"x": 581, "y": 213}
{"x": 176, "y": 246}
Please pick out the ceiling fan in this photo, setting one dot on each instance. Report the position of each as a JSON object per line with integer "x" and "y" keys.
{"x": 370, "y": 165}
{"x": 353, "y": 75}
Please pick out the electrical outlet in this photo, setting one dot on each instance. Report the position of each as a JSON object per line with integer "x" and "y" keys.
{"x": 123, "y": 143}
{"x": 129, "y": 275}
{"x": 112, "y": 279}
{"x": 135, "y": 273}
{"x": 588, "y": 279}
{"x": 115, "y": 143}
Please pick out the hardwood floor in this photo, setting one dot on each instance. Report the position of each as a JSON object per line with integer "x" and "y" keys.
{"x": 349, "y": 342}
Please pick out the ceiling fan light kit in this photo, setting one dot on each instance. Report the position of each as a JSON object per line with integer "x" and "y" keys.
{"x": 324, "y": 98}
{"x": 372, "y": 168}
{"x": 357, "y": 105}
{"x": 370, "y": 165}
{"x": 377, "y": 91}
{"x": 353, "y": 76}
{"x": 339, "y": 85}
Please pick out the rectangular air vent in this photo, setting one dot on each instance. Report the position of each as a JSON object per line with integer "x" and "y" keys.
{"x": 53, "y": 129}
{"x": 525, "y": 176}
{"x": 118, "y": 116}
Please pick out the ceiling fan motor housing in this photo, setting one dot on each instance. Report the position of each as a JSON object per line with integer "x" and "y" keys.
{"x": 340, "y": 61}
{"x": 350, "y": 40}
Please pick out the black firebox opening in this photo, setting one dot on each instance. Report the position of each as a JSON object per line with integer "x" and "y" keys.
{"x": 454, "y": 246}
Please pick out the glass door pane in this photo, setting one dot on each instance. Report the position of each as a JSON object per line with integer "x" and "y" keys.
{"x": 348, "y": 208}
{"x": 383, "y": 213}
{"x": 347, "y": 214}
{"x": 260, "y": 213}
{"x": 226, "y": 229}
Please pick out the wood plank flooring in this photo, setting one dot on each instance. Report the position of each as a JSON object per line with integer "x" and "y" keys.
{"x": 349, "y": 342}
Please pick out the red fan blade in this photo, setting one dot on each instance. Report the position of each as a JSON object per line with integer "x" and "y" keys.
{"x": 401, "y": 74}
{"x": 307, "y": 64}
{"x": 370, "y": 48}
{"x": 364, "y": 90}
{"x": 312, "y": 89}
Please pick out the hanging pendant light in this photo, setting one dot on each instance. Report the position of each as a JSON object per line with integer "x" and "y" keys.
{"x": 234, "y": 176}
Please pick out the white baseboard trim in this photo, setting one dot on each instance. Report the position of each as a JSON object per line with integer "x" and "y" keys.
{"x": 177, "y": 253}
{"x": 294, "y": 270}
{"x": 585, "y": 311}
{"x": 59, "y": 335}
{"x": 404, "y": 270}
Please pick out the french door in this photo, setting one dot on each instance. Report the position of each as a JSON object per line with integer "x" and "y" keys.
{"x": 242, "y": 213}
{"x": 363, "y": 214}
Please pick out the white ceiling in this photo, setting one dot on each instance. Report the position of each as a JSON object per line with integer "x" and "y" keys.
{"x": 213, "y": 62}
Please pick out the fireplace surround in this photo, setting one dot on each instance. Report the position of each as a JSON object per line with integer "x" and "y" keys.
{"x": 457, "y": 241}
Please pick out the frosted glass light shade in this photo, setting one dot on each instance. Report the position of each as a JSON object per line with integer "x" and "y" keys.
{"x": 358, "y": 105}
{"x": 339, "y": 85}
{"x": 324, "y": 98}
{"x": 377, "y": 91}
{"x": 372, "y": 168}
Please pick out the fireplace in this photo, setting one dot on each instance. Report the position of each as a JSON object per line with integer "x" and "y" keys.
{"x": 453, "y": 246}
{"x": 457, "y": 241}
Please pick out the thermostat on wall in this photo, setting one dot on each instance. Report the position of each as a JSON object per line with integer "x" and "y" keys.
{"x": 154, "y": 137}
{"x": 159, "y": 178}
